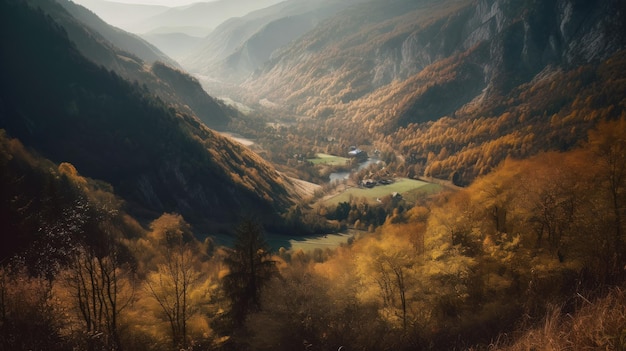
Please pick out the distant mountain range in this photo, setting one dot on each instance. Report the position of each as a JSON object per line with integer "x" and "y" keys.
{"x": 120, "y": 14}
{"x": 196, "y": 20}
{"x": 177, "y": 31}
{"x": 241, "y": 45}
{"x": 156, "y": 157}
{"x": 207, "y": 15}
{"x": 176, "y": 43}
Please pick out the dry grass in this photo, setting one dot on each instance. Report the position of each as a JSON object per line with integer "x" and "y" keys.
{"x": 599, "y": 325}
{"x": 304, "y": 189}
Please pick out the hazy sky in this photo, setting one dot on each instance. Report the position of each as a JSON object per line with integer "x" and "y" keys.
{"x": 170, "y": 3}
{"x": 195, "y": 22}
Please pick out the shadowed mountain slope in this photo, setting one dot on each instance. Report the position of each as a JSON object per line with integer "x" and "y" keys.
{"x": 134, "y": 59}
{"x": 158, "y": 159}
{"x": 120, "y": 14}
{"x": 81, "y": 22}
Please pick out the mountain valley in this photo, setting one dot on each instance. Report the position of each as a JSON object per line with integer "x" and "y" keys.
{"x": 439, "y": 175}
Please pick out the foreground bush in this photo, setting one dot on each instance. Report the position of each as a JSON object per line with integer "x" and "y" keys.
{"x": 598, "y": 325}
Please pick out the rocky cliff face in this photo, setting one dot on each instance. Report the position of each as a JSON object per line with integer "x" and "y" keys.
{"x": 559, "y": 33}
{"x": 452, "y": 51}
{"x": 522, "y": 39}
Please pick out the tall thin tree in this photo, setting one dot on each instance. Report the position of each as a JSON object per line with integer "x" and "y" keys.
{"x": 250, "y": 268}
{"x": 172, "y": 283}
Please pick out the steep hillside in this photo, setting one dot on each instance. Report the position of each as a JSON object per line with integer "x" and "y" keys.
{"x": 101, "y": 43}
{"x": 121, "y": 39}
{"x": 158, "y": 159}
{"x": 382, "y": 72}
{"x": 84, "y": 27}
{"x": 379, "y": 43}
{"x": 188, "y": 91}
{"x": 354, "y": 47}
{"x": 239, "y": 46}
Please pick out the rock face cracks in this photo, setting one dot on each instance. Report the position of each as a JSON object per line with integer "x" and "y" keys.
{"x": 520, "y": 37}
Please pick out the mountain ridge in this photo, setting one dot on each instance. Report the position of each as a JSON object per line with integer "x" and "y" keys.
{"x": 156, "y": 158}
{"x": 386, "y": 74}
{"x": 405, "y": 44}
{"x": 123, "y": 40}
{"x": 205, "y": 15}
{"x": 122, "y": 15}
{"x": 176, "y": 87}
{"x": 239, "y": 46}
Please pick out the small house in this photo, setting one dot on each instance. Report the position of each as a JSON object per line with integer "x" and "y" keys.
{"x": 368, "y": 183}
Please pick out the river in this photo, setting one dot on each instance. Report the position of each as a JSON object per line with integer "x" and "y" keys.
{"x": 345, "y": 175}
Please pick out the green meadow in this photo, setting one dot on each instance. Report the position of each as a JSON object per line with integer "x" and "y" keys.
{"x": 410, "y": 189}
{"x": 330, "y": 160}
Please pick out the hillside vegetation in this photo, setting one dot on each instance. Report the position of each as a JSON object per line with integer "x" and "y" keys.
{"x": 113, "y": 192}
{"x": 457, "y": 272}
{"x": 452, "y": 88}
{"x": 535, "y": 243}
{"x": 157, "y": 158}
{"x": 135, "y": 60}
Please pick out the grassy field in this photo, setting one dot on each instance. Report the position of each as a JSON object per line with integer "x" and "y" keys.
{"x": 323, "y": 242}
{"x": 409, "y": 188}
{"x": 305, "y": 243}
{"x": 325, "y": 159}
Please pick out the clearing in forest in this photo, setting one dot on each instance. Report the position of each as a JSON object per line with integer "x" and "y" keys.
{"x": 329, "y": 160}
{"x": 410, "y": 189}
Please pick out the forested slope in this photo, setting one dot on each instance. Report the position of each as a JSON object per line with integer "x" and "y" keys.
{"x": 453, "y": 88}
{"x": 70, "y": 110}
{"x": 135, "y": 60}
{"x": 530, "y": 245}
{"x": 538, "y": 242}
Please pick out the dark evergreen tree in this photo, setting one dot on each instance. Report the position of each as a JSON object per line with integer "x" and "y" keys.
{"x": 251, "y": 267}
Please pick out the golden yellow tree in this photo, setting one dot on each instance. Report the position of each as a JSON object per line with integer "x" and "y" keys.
{"x": 175, "y": 280}
{"x": 171, "y": 286}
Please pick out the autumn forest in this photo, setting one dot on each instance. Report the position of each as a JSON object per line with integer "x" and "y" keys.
{"x": 467, "y": 157}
